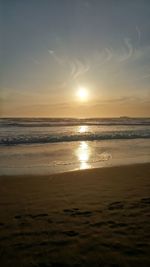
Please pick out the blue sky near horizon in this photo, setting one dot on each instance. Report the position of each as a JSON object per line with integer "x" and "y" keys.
{"x": 51, "y": 47}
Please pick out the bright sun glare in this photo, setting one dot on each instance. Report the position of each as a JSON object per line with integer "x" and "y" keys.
{"x": 82, "y": 93}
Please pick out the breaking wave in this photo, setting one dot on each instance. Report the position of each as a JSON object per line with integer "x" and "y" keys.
{"x": 48, "y": 138}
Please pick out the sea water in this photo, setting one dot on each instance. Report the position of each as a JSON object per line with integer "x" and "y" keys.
{"x": 51, "y": 145}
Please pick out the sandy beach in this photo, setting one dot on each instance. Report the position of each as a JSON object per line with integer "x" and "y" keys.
{"x": 97, "y": 217}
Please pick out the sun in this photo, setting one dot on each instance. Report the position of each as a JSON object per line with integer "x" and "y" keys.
{"x": 82, "y": 93}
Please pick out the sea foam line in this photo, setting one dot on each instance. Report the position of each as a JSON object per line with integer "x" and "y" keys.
{"x": 70, "y": 138}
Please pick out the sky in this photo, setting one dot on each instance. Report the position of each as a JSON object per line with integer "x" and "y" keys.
{"x": 51, "y": 48}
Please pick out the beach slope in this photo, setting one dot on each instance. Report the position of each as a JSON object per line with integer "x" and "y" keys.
{"x": 97, "y": 217}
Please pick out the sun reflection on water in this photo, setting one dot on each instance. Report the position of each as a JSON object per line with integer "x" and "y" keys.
{"x": 83, "y": 153}
{"x": 82, "y": 128}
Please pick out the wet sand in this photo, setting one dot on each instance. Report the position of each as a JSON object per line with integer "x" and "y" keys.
{"x": 97, "y": 217}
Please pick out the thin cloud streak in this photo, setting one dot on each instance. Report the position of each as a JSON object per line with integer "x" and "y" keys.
{"x": 79, "y": 68}
{"x": 130, "y": 49}
{"x": 138, "y": 35}
{"x": 57, "y": 58}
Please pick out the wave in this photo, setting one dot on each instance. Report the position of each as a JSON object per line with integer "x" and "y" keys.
{"x": 50, "y": 122}
{"x": 41, "y": 139}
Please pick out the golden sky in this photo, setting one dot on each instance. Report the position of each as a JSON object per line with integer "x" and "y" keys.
{"x": 50, "y": 49}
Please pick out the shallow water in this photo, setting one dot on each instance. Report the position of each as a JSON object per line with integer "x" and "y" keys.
{"x": 43, "y": 146}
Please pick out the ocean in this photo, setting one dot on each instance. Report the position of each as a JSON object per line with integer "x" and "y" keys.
{"x": 52, "y": 145}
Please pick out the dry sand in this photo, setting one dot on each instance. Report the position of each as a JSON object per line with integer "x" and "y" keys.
{"x": 98, "y": 217}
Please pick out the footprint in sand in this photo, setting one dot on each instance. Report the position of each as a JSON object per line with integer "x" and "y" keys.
{"x": 40, "y": 215}
{"x": 77, "y": 212}
{"x": 71, "y": 233}
{"x": 145, "y": 200}
{"x": 116, "y": 205}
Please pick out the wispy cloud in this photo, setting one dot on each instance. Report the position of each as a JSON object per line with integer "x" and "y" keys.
{"x": 108, "y": 53}
{"x": 108, "y": 58}
{"x": 35, "y": 61}
{"x": 78, "y": 68}
{"x": 100, "y": 57}
{"x": 129, "y": 50}
{"x": 138, "y": 35}
{"x": 58, "y": 59}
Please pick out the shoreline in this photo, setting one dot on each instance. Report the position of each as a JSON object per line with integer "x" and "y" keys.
{"x": 92, "y": 169}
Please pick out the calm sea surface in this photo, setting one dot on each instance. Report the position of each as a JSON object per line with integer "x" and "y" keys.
{"x": 46, "y": 145}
